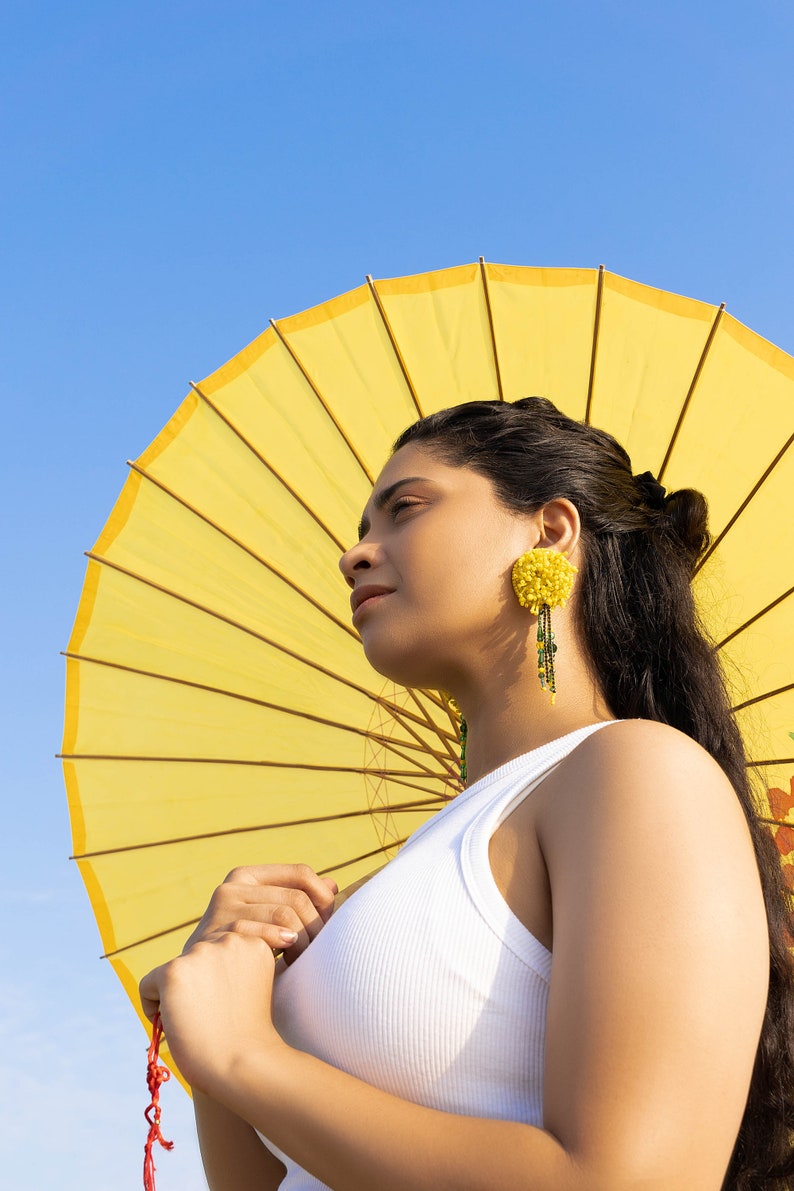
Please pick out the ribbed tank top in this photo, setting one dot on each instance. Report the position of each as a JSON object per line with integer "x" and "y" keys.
{"x": 424, "y": 983}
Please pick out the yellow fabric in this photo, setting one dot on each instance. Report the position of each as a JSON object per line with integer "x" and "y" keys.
{"x": 219, "y": 708}
{"x": 345, "y": 348}
{"x": 543, "y": 327}
{"x": 649, "y": 346}
{"x": 440, "y": 321}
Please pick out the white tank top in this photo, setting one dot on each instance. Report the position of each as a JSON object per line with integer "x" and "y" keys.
{"x": 424, "y": 983}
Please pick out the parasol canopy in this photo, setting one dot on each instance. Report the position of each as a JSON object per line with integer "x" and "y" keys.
{"x": 219, "y": 707}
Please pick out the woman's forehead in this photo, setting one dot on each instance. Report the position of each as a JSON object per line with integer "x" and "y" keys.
{"x": 405, "y": 466}
{"x": 407, "y": 457}
{"x": 404, "y": 462}
{"x": 417, "y": 462}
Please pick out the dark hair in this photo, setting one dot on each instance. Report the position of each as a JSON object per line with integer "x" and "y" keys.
{"x": 640, "y": 626}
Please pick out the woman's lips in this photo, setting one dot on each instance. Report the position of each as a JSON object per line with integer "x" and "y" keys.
{"x": 365, "y": 597}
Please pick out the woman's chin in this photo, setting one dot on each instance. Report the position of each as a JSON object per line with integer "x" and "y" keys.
{"x": 410, "y": 669}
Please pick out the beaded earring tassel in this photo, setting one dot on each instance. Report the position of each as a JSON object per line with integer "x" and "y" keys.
{"x": 463, "y": 731}
{"x": 542, "y": 580}
{"x": 546, "y": 652}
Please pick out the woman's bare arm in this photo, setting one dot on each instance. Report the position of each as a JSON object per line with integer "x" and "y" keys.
{"x": 660, "y": 956}
{"x": 234, "y": 1158}
{"x": 261, "y": 900}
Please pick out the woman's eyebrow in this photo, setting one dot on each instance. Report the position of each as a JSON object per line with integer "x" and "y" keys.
{"x": 383, "y": 498}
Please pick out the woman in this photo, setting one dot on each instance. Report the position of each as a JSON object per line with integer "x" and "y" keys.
{"x": 576, "y": 974}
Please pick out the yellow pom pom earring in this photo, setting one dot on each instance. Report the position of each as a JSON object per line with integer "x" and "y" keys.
{"x": 542, "y": 580}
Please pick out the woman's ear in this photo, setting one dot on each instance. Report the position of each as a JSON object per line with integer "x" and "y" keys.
{"x": 560, "y": 526}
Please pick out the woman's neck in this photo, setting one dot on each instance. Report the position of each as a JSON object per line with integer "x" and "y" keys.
{"x": 493, "y": 741}
{"x": 508, "y": 713}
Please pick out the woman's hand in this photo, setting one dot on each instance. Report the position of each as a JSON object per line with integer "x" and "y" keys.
{"x": 284, "y": 905}
{"x": 214, "y": 1001}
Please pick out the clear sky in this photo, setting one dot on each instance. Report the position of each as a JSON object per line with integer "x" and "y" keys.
{"x": 174, "y": 174}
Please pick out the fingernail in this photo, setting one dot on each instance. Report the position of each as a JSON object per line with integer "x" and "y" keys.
{"x": 288, "y": 936}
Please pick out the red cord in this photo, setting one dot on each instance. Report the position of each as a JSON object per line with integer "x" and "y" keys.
{"x": 156, "y": 1074}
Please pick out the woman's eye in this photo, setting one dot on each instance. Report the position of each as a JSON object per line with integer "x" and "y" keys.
{"x": 402, "y": 503}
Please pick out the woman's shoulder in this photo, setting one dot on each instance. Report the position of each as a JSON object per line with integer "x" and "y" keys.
{"x": 642, "y": 777}
{"x": 649, "y": 750}
{"x": 640, "y": 814}
{"x": 638, "y": 733}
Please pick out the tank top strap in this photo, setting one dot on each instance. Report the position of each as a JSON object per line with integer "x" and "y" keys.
{"x": 474, "y": 851}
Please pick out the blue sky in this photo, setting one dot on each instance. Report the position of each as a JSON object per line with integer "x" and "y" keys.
{"x": 175, "y": 174}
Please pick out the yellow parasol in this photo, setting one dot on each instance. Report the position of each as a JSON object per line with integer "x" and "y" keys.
{"x": 219, "y": 707}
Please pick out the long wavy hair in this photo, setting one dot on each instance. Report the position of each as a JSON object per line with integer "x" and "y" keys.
{"x": 640, "y": 626}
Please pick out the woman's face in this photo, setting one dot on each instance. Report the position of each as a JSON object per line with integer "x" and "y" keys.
{"x": 431, "y": 574}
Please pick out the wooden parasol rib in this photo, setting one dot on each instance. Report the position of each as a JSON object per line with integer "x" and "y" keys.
{"x": 756, "y": 488}
{"x": 596, "y": 333}
{"x": 276, "y": 475}
{"x": 331, "y": 868}
{"x": 169, "y": 492}
{"x": 314, "y": 388}
{"x": 388, "y": 742}
{"x": 400, "y": 714}
{"x": 690, "y": 392}
{"x": 757, "y": 616}
{"x": 403, "y": 807}
{"x": 486, "y": 292}
{"x": 393, "y": 341}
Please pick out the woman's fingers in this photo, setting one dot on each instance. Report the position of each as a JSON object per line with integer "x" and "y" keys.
{"x": 289, "y": 908}
{"x": 285, "y": 905}
{"x": 281, "y": 919}
{"x": 299, "y": 877}
{"x": 278, "y": 938}
{"x": 149, "y": 989}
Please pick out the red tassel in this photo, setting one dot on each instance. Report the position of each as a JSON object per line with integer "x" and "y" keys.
{"x": 156, "y": 1074}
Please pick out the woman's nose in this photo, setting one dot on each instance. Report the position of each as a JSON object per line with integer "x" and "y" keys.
{"x": 358, "y": 558}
